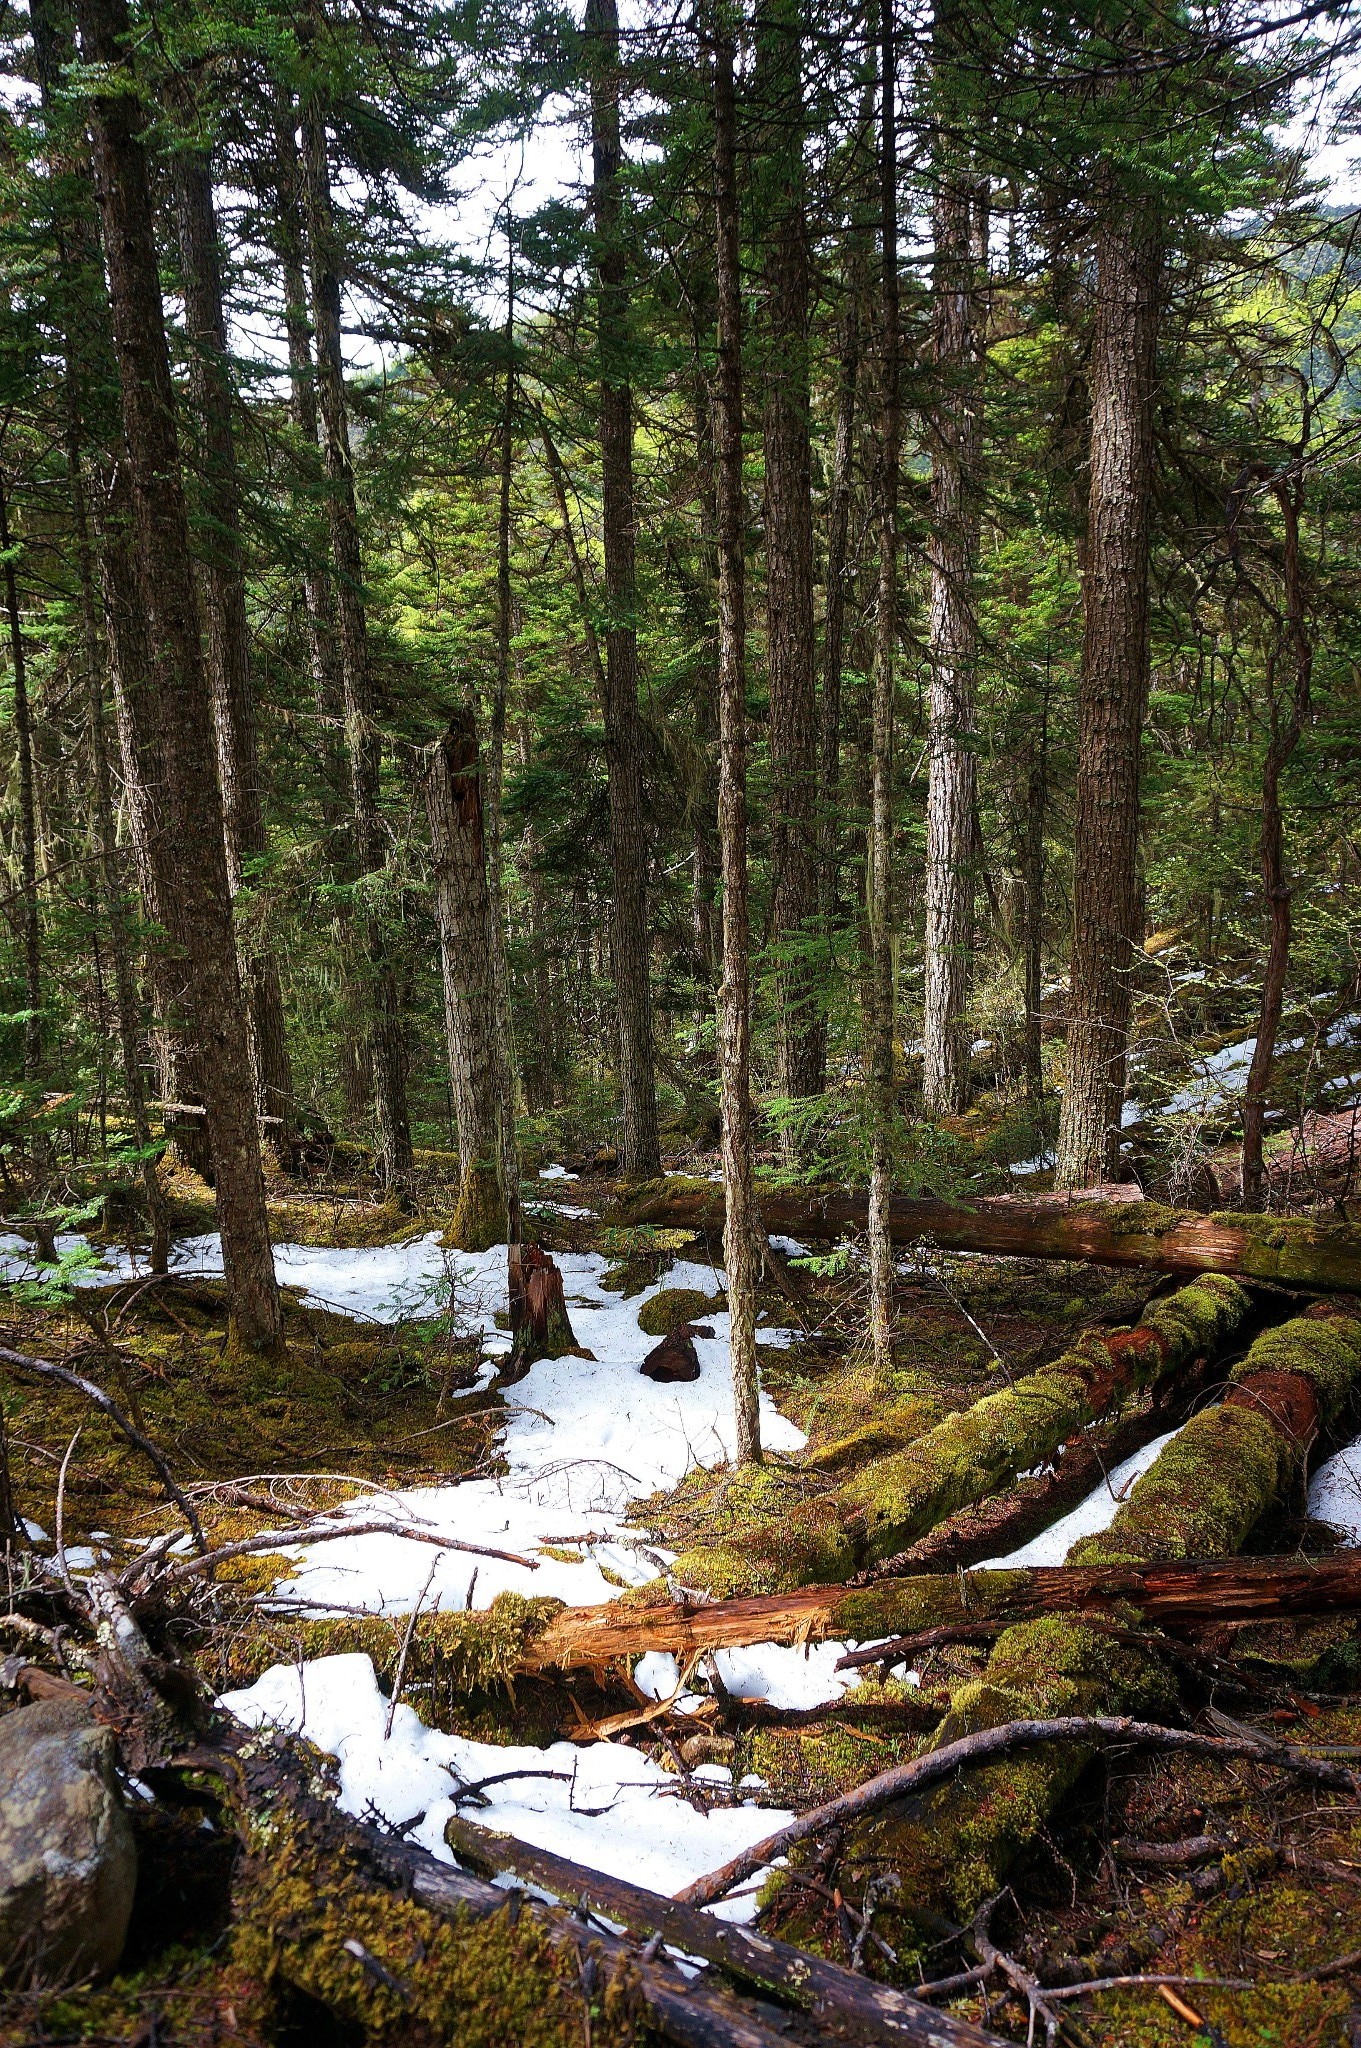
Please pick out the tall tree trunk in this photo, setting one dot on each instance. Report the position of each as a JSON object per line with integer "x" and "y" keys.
{"x": 834, "y": 622}
{"x": 111, "y": 880}
{"x": 1035, "y": 799}
{"x": 641, "y": 1155}
{"x": 199, "y": 968}
{"x": 879, "y": 853}
{"x": 734, "y": 996}
{"x": 479, "y": 1064}
{"x": 1285, "y": 735}
{"x": 1112, "y": 694}
{"x": 791, "y": 647}
{"x": 224, "y": 580}
{"x": 387, "y": 1050}
{"x": 28, "y": 837}
{"x": 496, "y": 767}
{"x": 954, "y": 439}
{"x": 290, "y": 241}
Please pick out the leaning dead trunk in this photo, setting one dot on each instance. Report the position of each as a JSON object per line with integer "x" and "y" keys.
{"x": 1107, "y": 911}
{"x": 200, "y": 975}
{"x": 479, "y": 1069}
{"x": 734, "y": 997}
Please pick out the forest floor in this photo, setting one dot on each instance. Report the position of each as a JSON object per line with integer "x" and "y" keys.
{"x": 391, "y": 1406}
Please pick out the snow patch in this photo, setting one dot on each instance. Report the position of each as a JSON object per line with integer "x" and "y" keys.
{"x": 1088, "y": 1518}
{"x": 603, "y": 1804}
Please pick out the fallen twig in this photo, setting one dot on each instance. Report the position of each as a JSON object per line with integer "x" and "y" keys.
{"x": 289, "y": 1539}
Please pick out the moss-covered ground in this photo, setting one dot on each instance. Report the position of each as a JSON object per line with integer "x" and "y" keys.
{"x": 247, "y": 1944}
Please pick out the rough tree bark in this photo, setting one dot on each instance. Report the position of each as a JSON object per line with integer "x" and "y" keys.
{"x": 199, "y": 969}
{"x": 479, "y": 1066}
{"x": 895, "y": 1614}
{"x": 630, "y": 943}
{"x": 1285, "y": 735}
{"x": 879, "y": 853}
{"x": 387, "y": 1050}
{"x": 1035, "y": 769}
{"x": 734, "y": 996}
{"x": 790, "y": 640}
{"x": 1112, "y": 693}
{"x": 834, "y": 616}
{"x": 28, "y": 834}
{"x": 228, "y": 636}
{"x": 954, "y": 435}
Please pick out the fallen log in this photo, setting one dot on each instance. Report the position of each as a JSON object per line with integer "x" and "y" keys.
{"x": 892, "y": 1610}
{"x": 1288, "y": 1251}
{"x": 847, "y": 2005}
{"x": 988, "y": 1744}
{"x": 1202, "y": 1496}
{"x": 875, "y": 1511}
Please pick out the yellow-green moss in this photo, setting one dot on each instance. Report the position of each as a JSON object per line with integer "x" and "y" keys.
{"x": 1201, "y": 1496}
{"x": 450, "y": 1656}
{"x": 1325, "y": 1350}
{"x": 672, "y": 1306}
{"x": 478, "y": 1983}
{"x": 955, "y": 1847}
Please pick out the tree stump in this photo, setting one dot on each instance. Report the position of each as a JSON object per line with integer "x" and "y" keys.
{"x": 539, "y": 1322}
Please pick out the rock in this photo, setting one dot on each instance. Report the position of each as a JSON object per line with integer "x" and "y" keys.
{"x": 675, "y": 1358}
{"x": 68, "y": 1860}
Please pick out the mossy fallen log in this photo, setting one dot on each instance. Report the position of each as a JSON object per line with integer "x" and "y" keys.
{"x": 890, "y": 1613}
{"x": 1290, "y": 1251}
{"x": 848, "y": 2006}
{"x": 375, "y": 1937}
{"x": 1204, "y": 1493}
{"x": 890, "y": 1502}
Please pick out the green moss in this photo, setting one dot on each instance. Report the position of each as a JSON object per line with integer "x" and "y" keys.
{"x": 956, "y": 1845}
{"x": 1202, "y": 1494}
{"x": 967, "y": 1456}
{"x": 479, "y": 1220}
{"x": 1324, "y": 1349}
{"x": 667, "y": 1310}
{"x": 480, "y": 1983}
{"x": 449, "y": 1658}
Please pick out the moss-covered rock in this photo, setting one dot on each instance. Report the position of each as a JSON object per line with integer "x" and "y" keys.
{"x": 666, "y": 1310}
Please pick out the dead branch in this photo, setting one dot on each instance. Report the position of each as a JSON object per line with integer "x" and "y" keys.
{"x": 970, "y": 1752}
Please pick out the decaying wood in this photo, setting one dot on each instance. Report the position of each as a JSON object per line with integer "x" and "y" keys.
{"x": 271, "y": 1777}
{"x": 1292, "y": 1252}
{"x": 1227, "y": 1589}
{"x": 540, "y": 1324}
{"x": 847, "y": 2005}
{"x": 985, "y": 1746}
